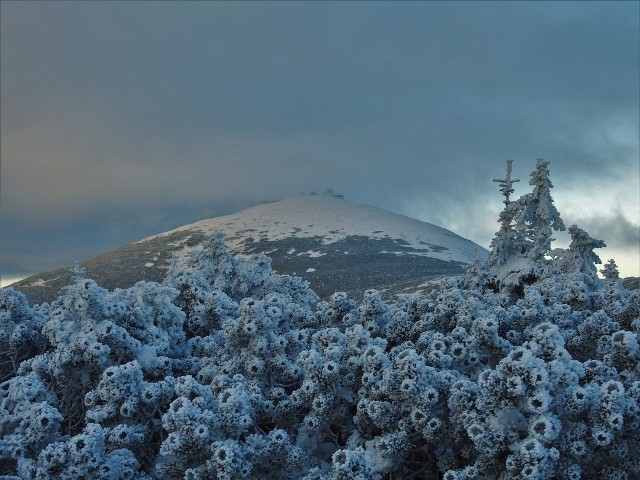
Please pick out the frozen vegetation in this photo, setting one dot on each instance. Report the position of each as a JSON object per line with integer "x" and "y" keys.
{"x": 527, "y": 367}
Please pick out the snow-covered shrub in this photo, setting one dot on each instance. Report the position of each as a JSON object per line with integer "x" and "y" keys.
{"x": 101, "y": 352}
{"x": 20, "y": 331}
{"x": 214, "y": 269}
{"x": 84, "y": 455}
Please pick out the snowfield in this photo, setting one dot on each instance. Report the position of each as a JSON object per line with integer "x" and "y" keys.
{"x": 333, "y": 219}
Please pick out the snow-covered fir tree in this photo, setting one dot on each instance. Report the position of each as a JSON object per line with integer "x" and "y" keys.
{"x": 536, "y": 216}
{"x": 503, "y": 245}
{"x": 580, "y": 257}
{"x": 610, "y": 270}
{"x": 520, "y": 250}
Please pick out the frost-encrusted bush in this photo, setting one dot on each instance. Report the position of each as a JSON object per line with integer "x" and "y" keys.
{"x": 20, "y": 331}
{"x": 95, "y": 352}
{"x": 232, "y": 371}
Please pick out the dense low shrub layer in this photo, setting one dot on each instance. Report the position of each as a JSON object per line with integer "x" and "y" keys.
{"x": 232, "y": 371}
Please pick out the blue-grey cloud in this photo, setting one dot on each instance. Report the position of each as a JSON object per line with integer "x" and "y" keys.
{"x": 624, "y": 233}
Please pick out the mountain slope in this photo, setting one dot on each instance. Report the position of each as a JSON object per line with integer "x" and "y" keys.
{"x": 335, "y": 244}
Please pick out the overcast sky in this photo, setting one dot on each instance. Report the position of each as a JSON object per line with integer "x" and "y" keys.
{"x": 124, "y": 119}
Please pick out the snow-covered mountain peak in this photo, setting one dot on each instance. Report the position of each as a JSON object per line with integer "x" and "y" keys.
{"x": 332, "y": 219}
{"x": 334, "y": 244}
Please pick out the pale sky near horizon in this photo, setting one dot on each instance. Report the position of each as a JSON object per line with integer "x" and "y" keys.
{"x": 120, "y": 120}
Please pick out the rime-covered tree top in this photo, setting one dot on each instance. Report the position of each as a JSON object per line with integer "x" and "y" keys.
{"x": 537, "y": 215}
{"x": 580, "y": 256}
{"x": 610, "y": 270}
{"x": 506, "y": 184}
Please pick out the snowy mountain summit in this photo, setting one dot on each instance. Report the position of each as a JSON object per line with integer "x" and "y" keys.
{"x": 330, "y": 220}
{"x": 334, "y": 244}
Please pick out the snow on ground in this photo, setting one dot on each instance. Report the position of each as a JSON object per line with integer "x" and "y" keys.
{"x": 311, "y": 253}
{"x": 333, "y": 219}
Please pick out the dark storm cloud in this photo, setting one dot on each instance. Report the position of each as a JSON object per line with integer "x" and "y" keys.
{"x": 158, "y": 112}
{"x": 617, "y": 227}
